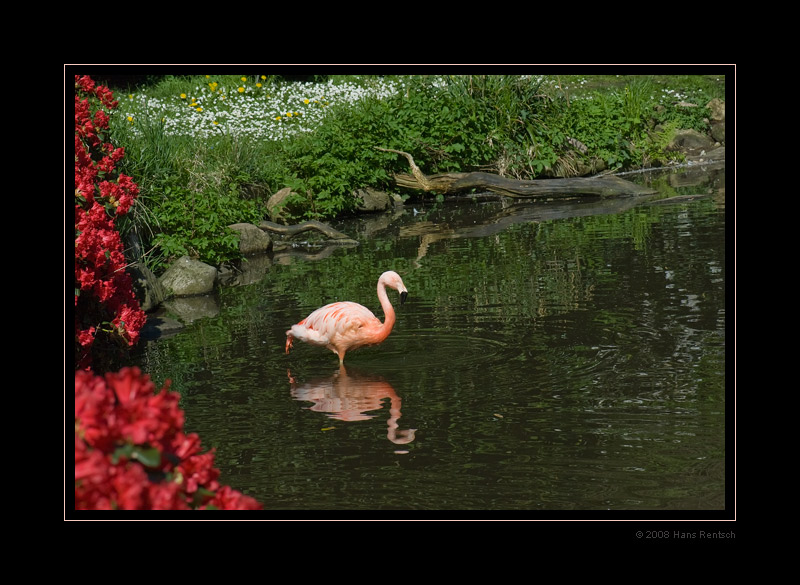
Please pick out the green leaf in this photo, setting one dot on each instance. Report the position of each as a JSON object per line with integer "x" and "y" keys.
{"x": 149, "y": 457}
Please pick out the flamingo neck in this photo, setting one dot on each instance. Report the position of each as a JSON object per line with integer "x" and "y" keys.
{"x": 388, "y": 311}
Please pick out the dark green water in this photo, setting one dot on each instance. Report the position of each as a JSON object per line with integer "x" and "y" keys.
{"x": 549, "y": 357}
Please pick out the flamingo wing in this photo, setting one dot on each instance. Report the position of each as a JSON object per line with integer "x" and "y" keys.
{"x": 334, "y": 323}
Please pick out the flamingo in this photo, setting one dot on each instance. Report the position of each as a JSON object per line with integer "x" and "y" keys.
{"x": 346, "y": 326}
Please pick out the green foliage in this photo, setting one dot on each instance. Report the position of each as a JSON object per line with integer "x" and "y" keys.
{"x": 441, "y": 130}
{"x": 195, "y": 224}
{"x": 521, "y": 126}
{"x": 325, "y": 167}
{"x": 686, "y": 118}
{"x": 190, "y": 192}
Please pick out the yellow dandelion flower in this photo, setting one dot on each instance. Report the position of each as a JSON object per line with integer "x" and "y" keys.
{"x": 258, "y": 84}
{"x": 199, "y": 109}
{"x": 183, "y": 96}
{"x": 241, "y": 89}
{"x": 306, "y": 101}
{"x": 244, "y": 79}
{"x": 277, "y": 117}
{"x": 130, "y": 118}
{"x": 264, "y": 77}
{"x": 216, "y": 123}
{"x": 288, "y": 114}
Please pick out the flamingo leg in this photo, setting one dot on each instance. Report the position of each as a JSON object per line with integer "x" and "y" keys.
{"x": 288, "y": 343}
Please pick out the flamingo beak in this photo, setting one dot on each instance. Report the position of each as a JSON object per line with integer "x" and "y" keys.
{"x": 403, "y": 296}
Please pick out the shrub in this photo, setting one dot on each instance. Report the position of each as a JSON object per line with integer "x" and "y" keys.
{"x": 131, "y": 452}
{"x": 107, "y": 314}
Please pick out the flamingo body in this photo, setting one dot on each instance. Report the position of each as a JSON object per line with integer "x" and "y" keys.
{"x": 345, "y": 326}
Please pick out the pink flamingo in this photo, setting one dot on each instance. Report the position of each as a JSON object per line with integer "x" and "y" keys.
{"x": 345, "y": 326}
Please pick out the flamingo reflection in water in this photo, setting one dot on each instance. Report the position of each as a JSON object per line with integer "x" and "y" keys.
{"x": 350, "y": 396}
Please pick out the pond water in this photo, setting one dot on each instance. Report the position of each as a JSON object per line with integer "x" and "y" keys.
{"x": 550, "y": 357}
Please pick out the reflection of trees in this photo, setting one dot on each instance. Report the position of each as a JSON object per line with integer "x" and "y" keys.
{"x": 349, "y": 396}
{"x": 511, "y": 272}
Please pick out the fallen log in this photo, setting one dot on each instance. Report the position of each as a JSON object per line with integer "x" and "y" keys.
{"x": 679, "y": 199}
{"x": 311, "y": 225}
{"x": 450, "y": 183}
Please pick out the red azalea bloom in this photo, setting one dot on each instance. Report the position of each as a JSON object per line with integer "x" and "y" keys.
{"x": 198, "y": 471}
{"x": 121, "y": 422}
{"x": 228, "y": 499}
{"x": 130, "y": 486}
{"x": 101, "y": 119}
{"x": 118, "y": 417}
{"x": 166, "y": 496}
{"x": 100, "y": 276}
{"x": 187, "y": 446}
{"x": 85, "y": 83}
{"x": 86, "y": 337}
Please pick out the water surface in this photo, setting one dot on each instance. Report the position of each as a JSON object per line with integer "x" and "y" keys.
{"x": 552, "y": 357}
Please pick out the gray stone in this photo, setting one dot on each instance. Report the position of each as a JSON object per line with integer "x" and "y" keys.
{"x": 717, "y": 107}
{"x": 372, "y": 200}
{"x": 718, "y": 131}
{"x": 187, "y": 277}
{"x": 690, "y": 140}
{"x": 252, "y": 239}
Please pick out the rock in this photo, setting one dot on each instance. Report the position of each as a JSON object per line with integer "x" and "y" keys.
{"x": 717, "y": 107}
{"x": 187, "y": 277}
{"x": 252, "y": 240}
{"x": 690, "y": 141}
{"x": 372, "y": 200}
{"x": 146, "y": 286}
{"x": 718, "y": 132}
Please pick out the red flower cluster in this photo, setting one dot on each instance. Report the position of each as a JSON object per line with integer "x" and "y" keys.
{"x": 131, "y": 452}
{"x": 104, "y": 300}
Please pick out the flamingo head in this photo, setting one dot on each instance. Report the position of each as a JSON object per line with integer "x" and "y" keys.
{"x": 393, "y": 280}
